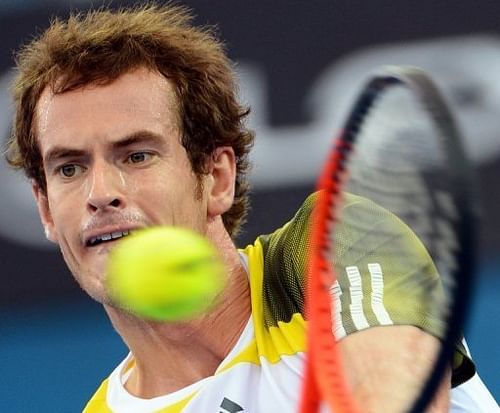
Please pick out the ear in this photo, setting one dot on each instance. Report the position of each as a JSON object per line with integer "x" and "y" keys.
{"x": 221, "y": 181}
{"x": 44, "y": 212}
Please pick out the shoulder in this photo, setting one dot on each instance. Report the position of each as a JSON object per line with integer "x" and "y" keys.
{"x": 98, "y": 404}
{"x": 362, "y": 230}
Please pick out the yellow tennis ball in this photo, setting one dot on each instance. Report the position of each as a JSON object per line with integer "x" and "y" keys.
{"x": 165, "y": 274}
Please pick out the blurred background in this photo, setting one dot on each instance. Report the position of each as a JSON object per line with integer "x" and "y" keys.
{"x": 299, "y": 65}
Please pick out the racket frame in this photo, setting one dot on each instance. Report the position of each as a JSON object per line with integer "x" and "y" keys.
{"x": 323, "y": 378}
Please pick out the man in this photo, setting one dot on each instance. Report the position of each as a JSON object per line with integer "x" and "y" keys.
{"x": 129, "y": 119}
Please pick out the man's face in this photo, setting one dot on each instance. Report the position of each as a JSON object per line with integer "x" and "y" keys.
{"x": 113, "y": 162}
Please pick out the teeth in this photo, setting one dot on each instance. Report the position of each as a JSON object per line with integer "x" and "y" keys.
{"x": 107, "y": 237}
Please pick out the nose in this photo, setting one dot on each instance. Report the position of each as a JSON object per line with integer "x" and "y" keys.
{"x": 105, "y": 189}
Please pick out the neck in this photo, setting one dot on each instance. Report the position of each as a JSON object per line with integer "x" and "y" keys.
{"x": 170, "y": 356}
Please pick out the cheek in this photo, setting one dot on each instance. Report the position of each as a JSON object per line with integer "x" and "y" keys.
{"x": 66, "y": 221}
{"x": 67, "y": 210}
{"x": 174, "y": 199}
{"x": 132, "y": 183}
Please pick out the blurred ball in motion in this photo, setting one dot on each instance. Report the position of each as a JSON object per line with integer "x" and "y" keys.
{"x": 165, "y": 274}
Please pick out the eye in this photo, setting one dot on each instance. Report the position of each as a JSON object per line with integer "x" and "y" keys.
{"x": 70, "y": 170}
{"x": 138, "y": 157}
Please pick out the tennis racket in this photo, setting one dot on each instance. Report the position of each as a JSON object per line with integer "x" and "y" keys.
{"x": 401, "y": 151}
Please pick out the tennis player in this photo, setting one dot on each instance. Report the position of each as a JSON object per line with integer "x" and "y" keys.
{"x": 128, "y": 119}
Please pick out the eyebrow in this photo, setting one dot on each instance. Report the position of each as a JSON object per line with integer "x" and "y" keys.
{"x": 58, "y": 153}
{"x": 141, "y": 136}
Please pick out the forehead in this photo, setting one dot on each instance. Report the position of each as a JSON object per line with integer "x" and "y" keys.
{"x": 138, "y": 99}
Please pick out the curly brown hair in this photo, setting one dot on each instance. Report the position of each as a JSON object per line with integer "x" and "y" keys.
{"x": 98, "y": 46}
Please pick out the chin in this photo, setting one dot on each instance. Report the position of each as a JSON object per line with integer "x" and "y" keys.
{"x": 93, "y": 286}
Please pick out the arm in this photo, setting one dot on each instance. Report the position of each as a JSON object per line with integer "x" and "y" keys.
{"x": 386, "y": 366}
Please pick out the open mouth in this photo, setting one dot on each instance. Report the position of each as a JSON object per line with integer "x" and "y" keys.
{"x": 107, "y": 237}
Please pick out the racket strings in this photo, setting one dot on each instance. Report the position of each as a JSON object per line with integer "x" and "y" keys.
{"x": 399, "y": 163}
